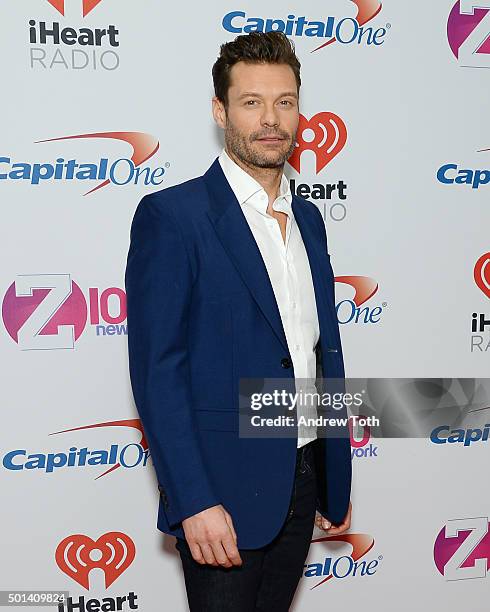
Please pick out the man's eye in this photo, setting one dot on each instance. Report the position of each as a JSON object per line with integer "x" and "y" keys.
{"x": 286, "y": 102}
{"x": 250, "y": 102}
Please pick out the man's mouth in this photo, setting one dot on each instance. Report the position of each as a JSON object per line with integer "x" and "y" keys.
{"x": 271, "y": 139}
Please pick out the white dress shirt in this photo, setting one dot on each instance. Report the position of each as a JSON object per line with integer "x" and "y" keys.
{"x": 289, "y": 272}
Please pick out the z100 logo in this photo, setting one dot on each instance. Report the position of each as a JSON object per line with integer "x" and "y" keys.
{"x": 361, "y": 447}
{"x": 462, "y": 549}
{"x": 468, "y": 32}
{"x": 50, "y": 311}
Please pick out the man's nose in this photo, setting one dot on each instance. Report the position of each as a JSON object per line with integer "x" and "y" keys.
{"x": 270, "y": 116}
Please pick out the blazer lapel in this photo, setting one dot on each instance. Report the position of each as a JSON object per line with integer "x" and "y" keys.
{"x": 238, "y": 241}
{"x": 319, "y": 273}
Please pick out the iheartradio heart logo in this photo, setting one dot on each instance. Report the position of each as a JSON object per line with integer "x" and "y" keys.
{"x": 482, "y": 273}
{"x": 325, "y": 134}
{"x": 88, "y": 5}
{"x": 77, "y": 554}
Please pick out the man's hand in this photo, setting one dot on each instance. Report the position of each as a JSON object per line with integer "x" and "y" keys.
{"x": 326, "y": 525}
{"x": 212, "y": 538}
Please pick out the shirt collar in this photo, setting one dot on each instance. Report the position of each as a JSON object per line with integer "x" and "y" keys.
{"x": 245, "y": 187}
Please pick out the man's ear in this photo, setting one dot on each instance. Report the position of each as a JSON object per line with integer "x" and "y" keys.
{"x": 219, "y": 112}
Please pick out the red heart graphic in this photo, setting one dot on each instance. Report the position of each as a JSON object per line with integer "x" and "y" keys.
{"x": 73, "y": 556}
{"x": 482, "y": 273}
{"x": 330, "y": 136}
{"x": 59, "y": 5}
{"x": 88, "y": 5}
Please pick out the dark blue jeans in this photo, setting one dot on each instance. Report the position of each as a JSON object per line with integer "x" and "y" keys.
{"x": 268, "y": 577}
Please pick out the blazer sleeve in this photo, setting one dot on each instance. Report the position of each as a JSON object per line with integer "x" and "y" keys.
{"x": 159, "y": 283}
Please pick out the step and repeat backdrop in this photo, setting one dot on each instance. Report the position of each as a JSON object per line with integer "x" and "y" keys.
{"x": 104, "y": 101}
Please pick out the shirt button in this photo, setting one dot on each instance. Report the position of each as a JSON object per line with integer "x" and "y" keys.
{"x": 286, "y": 362}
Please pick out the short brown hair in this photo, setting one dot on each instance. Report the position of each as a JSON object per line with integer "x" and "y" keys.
{"x": 253, "y": 48}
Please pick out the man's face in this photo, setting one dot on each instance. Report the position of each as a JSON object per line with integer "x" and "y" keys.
{"x": 262, "y": 116}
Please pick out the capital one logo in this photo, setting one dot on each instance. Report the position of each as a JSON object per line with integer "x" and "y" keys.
{"x": 325, "y": 134}
{"x": 452, "y": 174}
{"x": 50, "y": 311}
{"x": 77, "y": 555}
{"x": 127, "y": 456}
{"x": 462, "y": 549}
{"x": 481, "y": 274}
{"x": 122, "y": 171}
{"x": 343, "y": 566}
{"x": 352, "y": 310}
{"x": 468, "y": 32}
{"x": 87, "y": 5}
{"x": 344, "y": 30}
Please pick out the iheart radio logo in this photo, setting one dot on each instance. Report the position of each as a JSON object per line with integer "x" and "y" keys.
{"x": 88, "y": 5}
{"x": 115, "y": 551}
{"x": 325, "y": 134}
{"x": 482, "y": 274}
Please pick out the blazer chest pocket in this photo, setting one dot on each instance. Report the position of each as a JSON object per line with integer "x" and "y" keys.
{"x": 210, "y": 419}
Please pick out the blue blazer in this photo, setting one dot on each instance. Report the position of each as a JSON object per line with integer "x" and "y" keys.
{"x": 201, "y": 315}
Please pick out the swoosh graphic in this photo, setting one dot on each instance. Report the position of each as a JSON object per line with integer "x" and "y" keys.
{"x": 135, "y": 423}
{"x": 144, "y": 146}
{"x": 364, "y": 286}
{"x": 366, "y": 10}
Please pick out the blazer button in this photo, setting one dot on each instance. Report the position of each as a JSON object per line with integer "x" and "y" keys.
{"x": 163, "y": 495}
{"x": 286, "y": 362}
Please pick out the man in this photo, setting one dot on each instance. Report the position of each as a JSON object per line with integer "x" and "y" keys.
{"x": 228, "y": 277}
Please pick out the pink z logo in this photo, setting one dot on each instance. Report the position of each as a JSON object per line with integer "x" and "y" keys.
{"x": 468, "y": 32}
{"x": 462, "y": 549}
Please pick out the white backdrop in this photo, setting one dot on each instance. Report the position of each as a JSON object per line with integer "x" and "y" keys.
{"x": 407, "y": 106}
